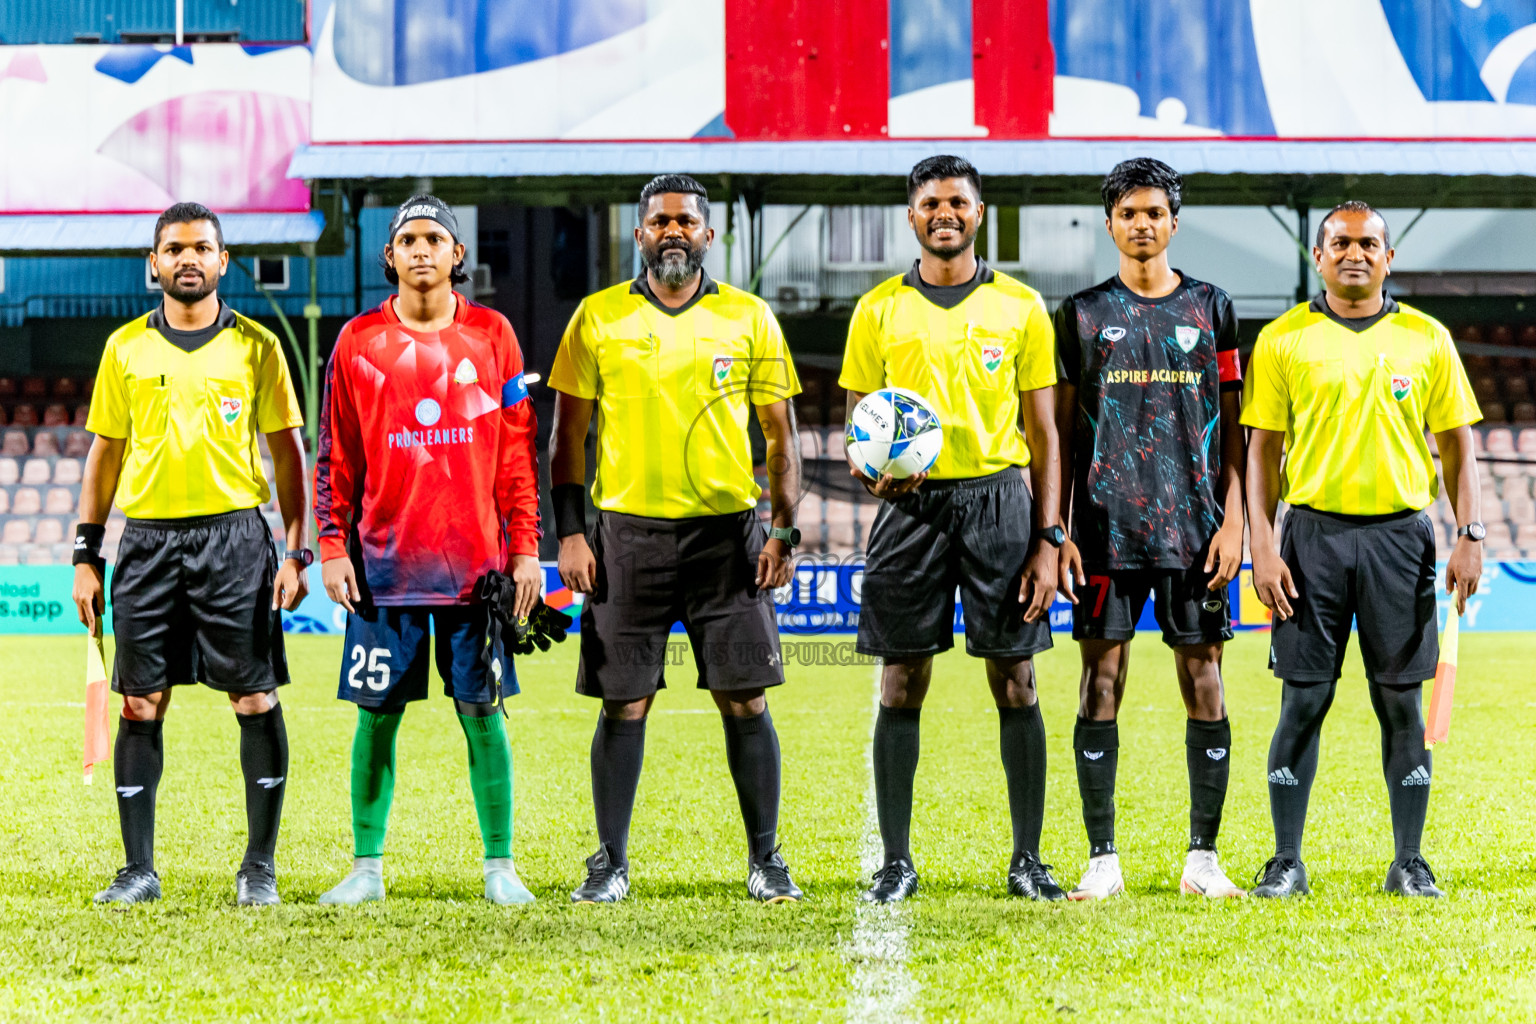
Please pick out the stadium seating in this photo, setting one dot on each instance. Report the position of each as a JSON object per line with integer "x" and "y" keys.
{"x": 67, "y": 472}
{"x": 45, "y": 445}
{"x": 59, "y": 502}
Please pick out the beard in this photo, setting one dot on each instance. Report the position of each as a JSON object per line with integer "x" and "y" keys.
{"x": 205, "y": 287}
{"x": 949, "y": 252}
{"x": 673, "y": 263}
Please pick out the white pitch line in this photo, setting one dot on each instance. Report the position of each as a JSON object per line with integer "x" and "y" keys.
{"x": 883, "y": 990}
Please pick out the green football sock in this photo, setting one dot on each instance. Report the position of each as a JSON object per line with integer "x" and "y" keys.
{"x": 373, "y": 779}
{"x": 490, "y": 778}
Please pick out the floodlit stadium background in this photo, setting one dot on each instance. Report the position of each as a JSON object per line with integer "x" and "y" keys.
{"x": 303, "y": 124}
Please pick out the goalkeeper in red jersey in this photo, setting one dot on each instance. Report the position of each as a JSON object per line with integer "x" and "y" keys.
{"x": 426, "y": 489}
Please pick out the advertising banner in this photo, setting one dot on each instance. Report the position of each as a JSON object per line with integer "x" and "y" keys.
{"x": 823, "y": 598}
{"x": 133, "y": 129}
{"x": 498, "y": 71}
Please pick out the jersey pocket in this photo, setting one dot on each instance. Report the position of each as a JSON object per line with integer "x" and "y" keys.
{"x": 149, "y": 408}
{"x": 628, "y": 367}
{"x": 227, "y": 408}
{"x": 986, "y": 361}
{"x": 1319, "y": 387}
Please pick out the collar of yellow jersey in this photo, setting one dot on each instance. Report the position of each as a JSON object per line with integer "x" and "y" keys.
{"x": 642, "y": 286}
{"x": 1319, "y": 304}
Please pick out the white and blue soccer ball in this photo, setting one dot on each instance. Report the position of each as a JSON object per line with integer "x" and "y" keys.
{"x": 894, "y": 431}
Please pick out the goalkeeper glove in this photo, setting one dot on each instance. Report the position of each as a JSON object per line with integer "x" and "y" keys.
{"x": 534, "y": 630}
{"x": 538, "y": 628}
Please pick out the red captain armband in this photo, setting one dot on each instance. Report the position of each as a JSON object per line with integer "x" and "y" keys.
{"x": 1228, "y": 368}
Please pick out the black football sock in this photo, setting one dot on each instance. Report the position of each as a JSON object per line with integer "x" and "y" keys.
{"x": 618, "y": 751}
{"x": 1097, "y": 745}
{"x": 894, "y": 754}
{"x": 1293, "y": 760}
{"x": 1404, "y": 762}
{"x": 1021, "y": 739}
{"x": 1207, "y": 746}
{"x": 264, "y": 762}
{"x": 137, "y": 761}
{"x": 752, "y": 751}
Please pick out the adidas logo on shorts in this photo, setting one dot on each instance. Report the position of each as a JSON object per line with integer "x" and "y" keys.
{"x": 1283, "y": 777}
{"x": 1418, "y": 777}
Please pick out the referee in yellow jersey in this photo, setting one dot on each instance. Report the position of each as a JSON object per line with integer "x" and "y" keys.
{"x": 180, "y": 397}
{"x": 673, "y": 364}
{"x": 1345, "y": 387}
{"x": 979, "y": 347}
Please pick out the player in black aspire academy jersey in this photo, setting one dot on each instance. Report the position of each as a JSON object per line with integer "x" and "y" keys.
{"x": 1152, "y": 454}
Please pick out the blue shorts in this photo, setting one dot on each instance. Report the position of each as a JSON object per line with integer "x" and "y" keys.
{"x": 384, "y": 661}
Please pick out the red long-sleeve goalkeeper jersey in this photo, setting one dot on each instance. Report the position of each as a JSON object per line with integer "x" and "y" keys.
{"x": 427, "y": 452}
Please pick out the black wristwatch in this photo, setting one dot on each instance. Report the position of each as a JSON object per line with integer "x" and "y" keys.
{"x": 1474, "y": 530}
{"x": 790, "y": 535}
{"x": 1055, "y": 536}
{"x": 303, "y": 556}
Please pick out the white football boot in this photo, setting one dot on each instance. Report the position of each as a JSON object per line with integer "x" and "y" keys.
{"x": 1203, "y": 877}
{"x": 1102, "y": 879}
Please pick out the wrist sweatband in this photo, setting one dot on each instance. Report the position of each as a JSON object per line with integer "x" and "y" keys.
{"x": 570, "y": 509}
{"x": 88, "y": 538}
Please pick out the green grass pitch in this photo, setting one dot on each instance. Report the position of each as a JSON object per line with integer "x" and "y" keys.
{"x": 689, "y": 944}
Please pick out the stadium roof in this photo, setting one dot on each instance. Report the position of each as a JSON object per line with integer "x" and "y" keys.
{"x": 80, "y": 234}
{"x": 1217, "y": 171}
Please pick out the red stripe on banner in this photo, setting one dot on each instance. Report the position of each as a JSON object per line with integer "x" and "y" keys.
{"x": 1228, "y": 366}
{"x": 1013, "y": 66}
{"x": 805, "y": 70}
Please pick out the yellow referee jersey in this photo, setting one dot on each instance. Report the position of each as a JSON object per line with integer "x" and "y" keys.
{"x": 1354, "y": 405}
{"x": 191, "y": 417}
{"x": 674, "y": 388}
{"x": 968, "y": 349}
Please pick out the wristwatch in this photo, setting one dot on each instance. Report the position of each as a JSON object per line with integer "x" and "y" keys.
{"x": 303, "y": 556}
{"x": 790, "y": 535}
{"x": 1055, "y": 536}
{"x": 1474, "y": 530}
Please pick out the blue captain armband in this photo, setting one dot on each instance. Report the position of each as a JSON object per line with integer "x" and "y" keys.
{"x": 513, "y": 391}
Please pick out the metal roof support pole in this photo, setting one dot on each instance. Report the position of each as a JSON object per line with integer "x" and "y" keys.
{"x": 355, "y": 209}
{"x": 1411, "y": 224}
{"x": 1304, "y": 262}
{"x": 306, "y": 368}
{"x": 312, "y": 315}
{"x": 754, "y": 198}
{"x": 757, "y": 275}
{"x": 1299, "y": 239}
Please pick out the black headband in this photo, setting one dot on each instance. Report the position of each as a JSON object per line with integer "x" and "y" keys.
{"x": 424, "y": 210}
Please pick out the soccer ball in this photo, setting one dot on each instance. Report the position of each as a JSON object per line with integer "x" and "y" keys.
{"x": 894, "y": 431}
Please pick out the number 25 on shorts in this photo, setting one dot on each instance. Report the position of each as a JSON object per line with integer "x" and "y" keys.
{"x": 377, "y": 663}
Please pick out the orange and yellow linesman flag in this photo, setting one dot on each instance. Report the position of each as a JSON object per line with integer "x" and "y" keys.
{"x": 1438, "y": 728}
{"x": 97, "y": 744}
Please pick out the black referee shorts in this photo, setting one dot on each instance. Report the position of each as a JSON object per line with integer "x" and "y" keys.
{"x": 971, "y": 533}
{"x": 1377, "y": 572}
{"x": 192, "y": 602}
{"x": 701, "y": 571}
